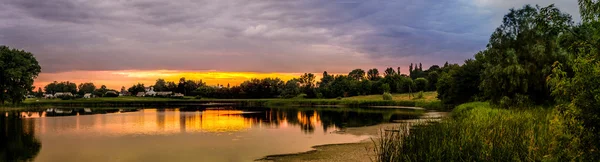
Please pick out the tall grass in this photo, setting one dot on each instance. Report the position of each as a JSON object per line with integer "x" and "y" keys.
{"x": 477, "y": 132}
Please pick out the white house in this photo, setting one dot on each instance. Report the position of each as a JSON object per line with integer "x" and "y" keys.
{"x": 58, "y": 94}
{"x": 48, "y": 96}
{"x": 140, "y": 94}
{"x": 150, "y": 92}
{"x": 87, "y": 95}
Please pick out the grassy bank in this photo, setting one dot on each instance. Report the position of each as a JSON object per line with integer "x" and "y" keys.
{"x": 478, "y": 132}
{"x": 428, "y": 101}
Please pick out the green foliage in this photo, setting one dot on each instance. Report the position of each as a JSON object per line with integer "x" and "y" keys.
{"x": 421, "y": 84}
{"x": 373, "y": 74}
{"x": 387, "y": 96}
{"x": 419, "y": 95}
{"x": 520, "y": 53}
{"x": 389, "y": 72}
{"x": 357, "y": 74}
{"x": 477, "y": 132}
{"x": 111, "y": 94}
{"x": 135, "y": 89}
{"x": 291, "y": 89}
{"x": 86, "y": 88}
{"x": 66, "y": 97}
{"x": 263, "y": 88}
{"x": 18, "y": 69}
{"x": 386, "y": 88}
{"x": 460, "y": 84}
{"x": 55, "y": 87}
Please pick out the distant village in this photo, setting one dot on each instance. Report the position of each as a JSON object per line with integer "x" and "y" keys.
{"x": 149, "y": 92}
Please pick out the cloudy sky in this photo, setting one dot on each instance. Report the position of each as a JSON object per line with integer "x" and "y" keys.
{"x": 120, "y": 42}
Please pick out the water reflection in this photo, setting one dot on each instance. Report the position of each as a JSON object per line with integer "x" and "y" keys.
{"x": 18, "y": 141}
{"x": 201, "y": 119}
{"x": 178, "y": 134}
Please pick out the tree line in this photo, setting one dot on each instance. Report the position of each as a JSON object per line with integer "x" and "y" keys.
{"x": 539, "y": 56}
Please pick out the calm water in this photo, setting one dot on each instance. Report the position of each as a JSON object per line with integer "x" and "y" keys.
{"x": 178, "y": 134}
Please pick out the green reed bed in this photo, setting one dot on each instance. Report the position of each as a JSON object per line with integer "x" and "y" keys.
{"x": 476, "y": 132}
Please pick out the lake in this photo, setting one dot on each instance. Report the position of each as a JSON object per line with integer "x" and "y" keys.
{"x": 178, "y": 134}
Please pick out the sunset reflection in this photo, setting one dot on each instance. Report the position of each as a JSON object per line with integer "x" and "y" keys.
{"x": 118, "y": 122}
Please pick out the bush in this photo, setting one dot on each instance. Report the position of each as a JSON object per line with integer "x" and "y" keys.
{"x": 111, "y": 95}
{"x": 198, "y": 97}
{"x": 339, "y": 98}
{"x": 421, "y": 84}
{"x": 419, "y": 95}
{"x": 301, "y": 96}
{"x": 387, "y": 96}
{"x": 66, "y": 97}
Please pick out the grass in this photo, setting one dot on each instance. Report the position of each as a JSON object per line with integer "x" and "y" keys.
{"x": 478, "y": 132}
{"x": 429, "y": 101}
{"x": 427, "y": 96}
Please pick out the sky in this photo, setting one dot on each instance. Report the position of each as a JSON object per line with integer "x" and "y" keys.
{"x": 122, "y": 42}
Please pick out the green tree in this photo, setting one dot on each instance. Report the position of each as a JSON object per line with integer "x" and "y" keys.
{"x": 373, "y": 74}
{"x": 291, "y": 89}
{"x": 421, "y": 84}
{"x": 357, "y": 74}
{"x": 86, "y": 88}
{"x": 135, "y": 89}
{"x": 590, "y": 10}
{"x": 460, "y": 84}
{"x": 519, "y": 54}
{"x": 160, "y": 85}
{"x": 18, "y": 69}
{"x": 389, "y": 71}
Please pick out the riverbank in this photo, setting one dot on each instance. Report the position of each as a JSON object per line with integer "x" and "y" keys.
{"x": 361, "y": 151}
{"x": 428, "y": 101}
{"x": 479, "y": 132}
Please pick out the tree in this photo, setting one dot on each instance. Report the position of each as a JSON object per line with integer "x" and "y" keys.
{"x": 389, "y": 71}
{"x": 86, "y": 88}
{"x": 590, "y": 10}
{"x": 307, "y": 82}
{"x": 432, "y": 77}
{"x": 421, "y": 84}
{"x": 519, "y": 54}
{"x": 18, "y": 69}
{"x": 55, "y": 87}
{"x": 137, "y": 88}
{"x": 160, "y": 85}
{"x": 373, "y": 74}
{"x": 460, "y": 84}
{"x": 291, "y": 89}
{"x": 39, "y": 93}
{"x": 357, "y": 74}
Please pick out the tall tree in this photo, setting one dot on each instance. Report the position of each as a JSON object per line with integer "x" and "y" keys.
{"x": 520, "y": 52}
{"x": 86, "y": 88}
{"x": 160, "y": 85}
{"x": 389, "y": 71}
{"x": 18, "y": 69}
{"x": 373, "y": 74}
{"x": 590, "y": 10}
{"x": 357, "y": 74}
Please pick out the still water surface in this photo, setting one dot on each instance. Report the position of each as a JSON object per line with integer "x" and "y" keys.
{"x": 177, "y": 134}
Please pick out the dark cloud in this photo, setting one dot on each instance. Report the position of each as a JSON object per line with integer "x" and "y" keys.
{"x": 261, "y": 36}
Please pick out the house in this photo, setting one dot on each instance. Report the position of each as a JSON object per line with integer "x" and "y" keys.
{"x": 141, "y": 94}
{"x": 166, "y": 93}
{"x": 49, "y": 96}
{"x": 150, "y": 92}
{"x": 87, "y": 95}
{"x": 178, "y": 95}
{"x": 58, "y": 94}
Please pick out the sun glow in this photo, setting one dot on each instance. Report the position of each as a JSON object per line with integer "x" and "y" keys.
{"x": 117, "y": 79}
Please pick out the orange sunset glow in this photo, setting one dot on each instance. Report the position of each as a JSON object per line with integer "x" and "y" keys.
{"x": 117, "y": 79}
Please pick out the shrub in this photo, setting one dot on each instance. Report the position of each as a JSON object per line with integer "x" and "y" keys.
{"x": 421, "y": 84}
{"x": 198, "y": 97}
{"x": 301, "y": 96}
{"x": 339, "y": 98}
{"x": 419, "y": 95}
{"x": 66, "y": 97}
{"x": 387, "y": 96}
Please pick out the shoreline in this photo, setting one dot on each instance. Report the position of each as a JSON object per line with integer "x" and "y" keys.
{"x": 361, "y": 151}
